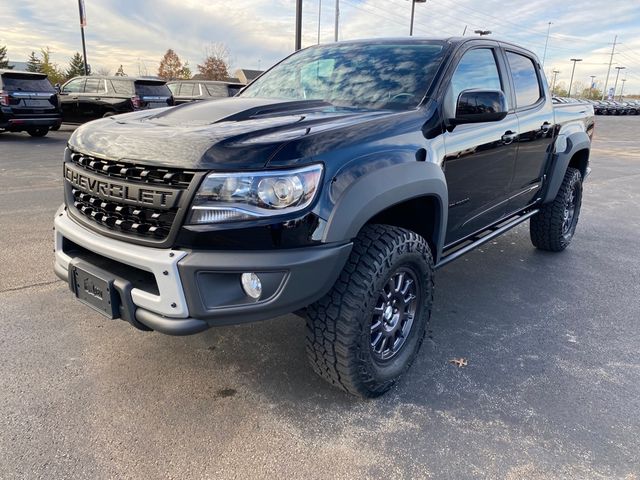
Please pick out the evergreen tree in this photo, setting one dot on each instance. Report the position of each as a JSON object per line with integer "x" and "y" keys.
{"x": 4, "y": 60}
{"x": 33, "y": 63}
{"x": 49, "y": 68}
{"x": 76, "y": 66}
{"x": 120, "y": 72}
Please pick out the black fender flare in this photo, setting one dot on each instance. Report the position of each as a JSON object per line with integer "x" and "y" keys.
{"x": 574, "y": 142}
{"x": 383, "y": 188}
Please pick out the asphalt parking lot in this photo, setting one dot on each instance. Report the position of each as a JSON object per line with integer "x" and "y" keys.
{"x": 551, "y": 390}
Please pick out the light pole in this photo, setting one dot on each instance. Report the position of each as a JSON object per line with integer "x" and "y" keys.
{"x": 319, "y": 18}
{"x": 622, "y": 88}
{"x": 413, "y": 13}
{"x": 337, "y": 21}
{"x": 544, "y": 55}
{"x": 83, "y": 23}
{"x": 298, "y": 24}
{"x": 574, "y": 60}
{"x": 591, "y": 84}
{"x": 482, "y": 32}
{"x": 553, "y": 82}
{"x": 615, "y": 86}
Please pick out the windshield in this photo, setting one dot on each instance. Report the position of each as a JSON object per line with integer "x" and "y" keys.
{"x": 376, "y": 75}
{"x": 24, "y": 83}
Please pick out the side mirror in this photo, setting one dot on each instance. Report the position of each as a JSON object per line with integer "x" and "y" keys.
{"x": 58, "y": 88}
{"x": 476, "y": 106}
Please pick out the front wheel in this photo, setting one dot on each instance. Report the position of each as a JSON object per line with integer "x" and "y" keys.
{"x": 553, "y": 227}
{"x": 365, "y": 333}
{"x": 38, "y": 132}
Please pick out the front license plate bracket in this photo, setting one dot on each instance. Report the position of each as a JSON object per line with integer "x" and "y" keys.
{"x": 95, "y": 288}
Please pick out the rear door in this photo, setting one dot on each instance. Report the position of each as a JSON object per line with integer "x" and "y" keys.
{"x": 153, "y": 94}
{"x": 534, "y": 110}
{"x": 480, "y": 157}
{"x": 29, "y": 94}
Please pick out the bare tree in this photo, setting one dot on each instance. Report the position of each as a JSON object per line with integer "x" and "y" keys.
{"x": 215, "y": 65}
{"x": 103, "y": 71}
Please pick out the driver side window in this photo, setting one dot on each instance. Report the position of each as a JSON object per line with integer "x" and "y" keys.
{"x": 74, "y": 86}
{"x": 477, "y": 70}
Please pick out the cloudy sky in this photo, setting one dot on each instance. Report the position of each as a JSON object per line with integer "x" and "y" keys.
{"x": 136, "y": 33}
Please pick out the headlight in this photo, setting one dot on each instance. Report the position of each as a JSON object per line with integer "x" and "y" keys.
{"x": 229, "y": 197}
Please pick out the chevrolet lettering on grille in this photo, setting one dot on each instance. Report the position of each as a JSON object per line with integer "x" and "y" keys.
{"x": 108, "y": 189}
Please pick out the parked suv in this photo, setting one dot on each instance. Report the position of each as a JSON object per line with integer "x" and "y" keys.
{"x": 87, "y": 98}
{"x": 28, "y": 103}
{"x": 185, "y": 91}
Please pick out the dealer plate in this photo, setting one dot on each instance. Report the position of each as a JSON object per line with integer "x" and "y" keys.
{"x": 96, "y": 290}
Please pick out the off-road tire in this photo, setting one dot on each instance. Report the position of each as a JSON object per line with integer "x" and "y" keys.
{"x": 546, "y": 228}
{"x": 38, "y": 132}
{"x": 339, "y": 326}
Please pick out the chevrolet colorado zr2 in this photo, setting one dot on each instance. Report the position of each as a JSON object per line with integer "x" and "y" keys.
{"x": 333, "y": 186}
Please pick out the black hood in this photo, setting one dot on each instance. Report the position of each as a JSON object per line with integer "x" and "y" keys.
{"x": 229, "y": 134}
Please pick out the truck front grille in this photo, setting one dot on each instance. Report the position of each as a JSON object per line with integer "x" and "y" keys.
{"x": 99, "y": 191}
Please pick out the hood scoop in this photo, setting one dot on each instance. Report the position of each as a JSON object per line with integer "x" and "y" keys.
{"x": 235, "y": 109}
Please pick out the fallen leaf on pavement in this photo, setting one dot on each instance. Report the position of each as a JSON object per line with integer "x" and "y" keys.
{"x": 459, "y": 362}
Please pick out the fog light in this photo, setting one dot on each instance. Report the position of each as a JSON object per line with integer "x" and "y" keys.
{"x": 251, "y": 285}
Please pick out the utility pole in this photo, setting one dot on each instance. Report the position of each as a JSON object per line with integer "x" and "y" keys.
{"x": 319, "y": 18}
{"x": 574, "y": 60}
{"x": 553, "y": 82}
{"x": 544, "y": 56}
{"x": 413, "y": 13}
{"x": 615, "y": 86}
{"x": 298, "y": 24}
{"x": 622, "y": 88}
{"x": 337, "y": 20}
{"x": 83, "y": 23}
{"x": 606, "y": 82}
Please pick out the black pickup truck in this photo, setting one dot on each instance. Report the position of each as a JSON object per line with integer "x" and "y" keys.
{"x": 333, "y": 186}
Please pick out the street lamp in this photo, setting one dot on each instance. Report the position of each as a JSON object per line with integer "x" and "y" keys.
{"x": 622, "y": 88}
{"x": 482, "y": 32}
{"x": 553, "y": 82}
{"x": 544, "y": 55}
{"x": 574, "y": 60}
{"x": 615, "y": 86}
{"x": 413, "y": 13}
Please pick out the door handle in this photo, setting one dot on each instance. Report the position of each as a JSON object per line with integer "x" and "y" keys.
{"x": 509, "y": 137}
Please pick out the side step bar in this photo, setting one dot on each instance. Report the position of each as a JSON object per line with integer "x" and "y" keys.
{"x": 483, "y": 237}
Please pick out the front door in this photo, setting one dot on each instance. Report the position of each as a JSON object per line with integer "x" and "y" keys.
{"x": 69, "y": 95}
{"x": 480, "y": 157}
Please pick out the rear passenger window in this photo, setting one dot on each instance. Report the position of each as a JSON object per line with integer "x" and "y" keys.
{"x": 477, "y": 70}
{"x": 525, "y": 79}
{"x": 93, "y": 85}
{"x": 217, "y": 90}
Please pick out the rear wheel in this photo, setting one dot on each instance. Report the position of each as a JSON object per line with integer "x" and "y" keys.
{"x": 365, "y": 333}
{"x": 38, "y": 132}
{"x": 553, "y": 227}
